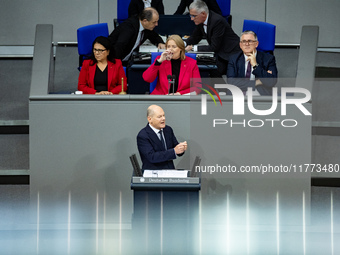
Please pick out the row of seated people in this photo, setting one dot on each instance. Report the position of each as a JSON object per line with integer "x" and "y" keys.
{"x": 136, "y": 6}
{"x": 235, "y": 57}
{"x": 103, "y": 74}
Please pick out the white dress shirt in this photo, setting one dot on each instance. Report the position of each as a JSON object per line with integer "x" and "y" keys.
{"x": 147, "y": 3}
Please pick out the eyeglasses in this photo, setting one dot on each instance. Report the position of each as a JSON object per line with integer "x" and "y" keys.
{"x": 248, "y": 42}
{"x": 193, "y": 16}
{"x": 100, "y": 51}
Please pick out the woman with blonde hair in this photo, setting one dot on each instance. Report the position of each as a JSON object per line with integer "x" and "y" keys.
{"x": 173, "y": 62}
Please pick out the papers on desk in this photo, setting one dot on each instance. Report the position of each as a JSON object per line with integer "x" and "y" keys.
{"x": 166, "y": 173}
{"x": 148, "y": 48}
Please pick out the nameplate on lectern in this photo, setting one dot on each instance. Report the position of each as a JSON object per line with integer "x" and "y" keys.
{"x": 168, "y": 180}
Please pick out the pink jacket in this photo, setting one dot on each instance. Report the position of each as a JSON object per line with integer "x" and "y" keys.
{"x": 189, "y": 69}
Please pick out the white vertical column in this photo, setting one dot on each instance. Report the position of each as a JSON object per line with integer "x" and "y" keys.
{"x": 97, "y": 222}
{"x": 304, "y": 222}
{"x": 38, "y": 221}
{"x": 69, "y": 224}
{"x": 277, "y": 223}
{"x": 248, "y": 223}
{"x": 332, "y": 226}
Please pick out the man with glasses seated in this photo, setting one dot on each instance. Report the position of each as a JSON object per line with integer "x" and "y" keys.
{"x": 220, "y": 36}
{"x": 252, "y": 68}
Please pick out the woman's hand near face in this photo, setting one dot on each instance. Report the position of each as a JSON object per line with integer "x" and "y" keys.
{"x": 166, "y": 55}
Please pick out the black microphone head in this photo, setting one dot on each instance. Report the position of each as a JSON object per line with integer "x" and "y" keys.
{"x": 169, "y": 77}
{"x": 173, "y": 76}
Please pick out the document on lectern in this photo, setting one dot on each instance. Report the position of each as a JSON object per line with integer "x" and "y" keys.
{"x": 166, "y": 173}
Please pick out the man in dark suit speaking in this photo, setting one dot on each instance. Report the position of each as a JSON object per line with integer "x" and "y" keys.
{"x": 252, "y": 68}
{"x": 221, "y": 38}
{"x": 129, "y": 35}
{"x": 157, "y": 144}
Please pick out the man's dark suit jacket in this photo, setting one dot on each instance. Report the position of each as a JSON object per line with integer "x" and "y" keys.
{"x": 212, "y": 6}
{"x": 137, "y": 6}
{"x": 236, "y": 71}
{"x": 221, "y": 38}
{"x": 150, "y": 148}
{"x": 124, "y": 37}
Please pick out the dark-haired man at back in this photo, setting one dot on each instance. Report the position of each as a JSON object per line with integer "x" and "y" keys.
{"x": 129, "y": 35}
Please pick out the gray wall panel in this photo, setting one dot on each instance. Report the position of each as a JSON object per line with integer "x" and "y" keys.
{"x": 326, "y": 153}
{"x": 170, "y": 6}
{"x": 80, "y": 149}
{"x": 18, "y": 19}
{"x": 83, "y": 148}
{"x": 290, "y": 15}
{"x": 254, "y": 10}
{"x": 238, "y": 145}
{"x": 107, "y": 12}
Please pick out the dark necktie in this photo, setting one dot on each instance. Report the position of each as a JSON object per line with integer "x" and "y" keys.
{"x": 248, "y": 70}
{"x": 141, "y": 38}
{"x": 162, "y": 140}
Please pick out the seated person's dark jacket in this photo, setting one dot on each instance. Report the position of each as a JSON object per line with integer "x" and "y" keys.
{"x": 151, "y": 152}
{"x": 124, "y": 37}
{"x": 137, "y": 6}
{"x": 265, "y": 61}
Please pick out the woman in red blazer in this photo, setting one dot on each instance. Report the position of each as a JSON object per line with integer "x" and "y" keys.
{"x": 101, "y": 74}
{"x": 174, "y": 62}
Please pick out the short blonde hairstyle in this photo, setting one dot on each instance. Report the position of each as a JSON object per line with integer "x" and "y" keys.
{"x": 179, "y": 42}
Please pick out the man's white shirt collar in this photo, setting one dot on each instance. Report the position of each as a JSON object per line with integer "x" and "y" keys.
{"x": 205, "y": 24}
{"x": 141, "y": 28}
{"x": 206, "y": 20}
{"x": 154, "y": 129}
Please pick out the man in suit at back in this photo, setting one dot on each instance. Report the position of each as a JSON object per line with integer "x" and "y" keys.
{"x": 212, "y": 5}
{"x": 129, "y": 35}
{"x": 221, "y": 38}
{"x": 157, "y": 144}
{"x": 136, "y": 6}
{"x": 252, "y": 68}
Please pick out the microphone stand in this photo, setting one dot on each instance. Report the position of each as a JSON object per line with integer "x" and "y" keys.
{"x": 169, "y": 83}
{"x": 171, "y": 80}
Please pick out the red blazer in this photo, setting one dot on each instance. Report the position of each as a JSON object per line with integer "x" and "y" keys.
{"x": 189, "y": 69}
{"x": 115, "y": 74}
